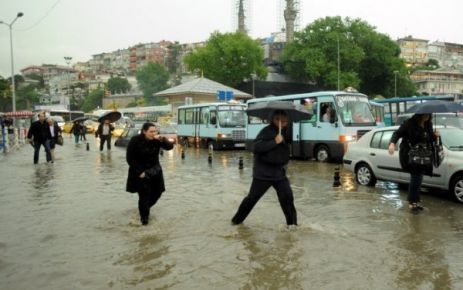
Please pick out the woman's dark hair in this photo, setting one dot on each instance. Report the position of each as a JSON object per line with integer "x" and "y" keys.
{"x": 146, "y": 126}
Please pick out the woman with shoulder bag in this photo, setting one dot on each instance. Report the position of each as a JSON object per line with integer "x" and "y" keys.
{"x": 145, "y": 172}
{"x": 417, "y": 141}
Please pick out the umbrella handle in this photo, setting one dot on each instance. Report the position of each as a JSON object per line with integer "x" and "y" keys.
{"x": 279, "y": 127}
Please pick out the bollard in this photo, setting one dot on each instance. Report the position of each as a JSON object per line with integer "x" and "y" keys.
{"x": 183, "y": 154}
{"x": 336, "y": 177}
{"x": 209, "y": 158}
{"x": 88, "y": 146}
{"x": 161, "y": 152}
{"x": 240, "y": 163}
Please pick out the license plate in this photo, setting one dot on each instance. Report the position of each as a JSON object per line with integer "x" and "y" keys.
{"x": 239, "y": 145}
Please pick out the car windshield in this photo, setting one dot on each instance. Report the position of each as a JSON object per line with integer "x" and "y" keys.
{"x": 232, "y": 119}
{"x": 354, "y": 110}
{"x": 452, "y": 138}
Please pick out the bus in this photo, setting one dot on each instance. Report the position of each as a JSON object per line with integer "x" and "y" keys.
{"x": 143, "y": 114}
{"x": 216, "y": 125}
{"x": 377, "y": 110}
{"x": 66, "y": 114}
{"x": 321, "y": 138}
{"x": 394, "y": 107}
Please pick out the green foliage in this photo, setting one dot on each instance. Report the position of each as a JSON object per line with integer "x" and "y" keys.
{"x": 228, "y": 58}
{"x": 118, "y": 84}
{"x": 367, "y": 59}
{"x": 432, "y": 64}
{"x": 152, "y": 78}
{"x": 93, "y": 100}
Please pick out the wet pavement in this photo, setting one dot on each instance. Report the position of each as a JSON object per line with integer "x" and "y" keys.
{"x": 71, "y": 225}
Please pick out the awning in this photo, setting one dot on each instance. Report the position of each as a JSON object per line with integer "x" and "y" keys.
{"x": 19, "y": 114}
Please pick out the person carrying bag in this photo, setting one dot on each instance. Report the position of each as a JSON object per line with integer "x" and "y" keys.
{"x": 415, "y": 153}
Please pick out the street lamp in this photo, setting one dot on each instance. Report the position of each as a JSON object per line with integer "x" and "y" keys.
{"x": 253, "y": 77}
{"x": 395, "y": 82}
{"x": 13, "y": 89}
{"x": 68, "y": 59}
{"x": 339, "y": 60}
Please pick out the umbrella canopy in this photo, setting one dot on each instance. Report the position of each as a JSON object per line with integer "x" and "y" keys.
{"x": 112, "y": 116}
{"x": 80, "y": 119}
{"x": 265, "y": 110}
{"x": 435, "y": 106}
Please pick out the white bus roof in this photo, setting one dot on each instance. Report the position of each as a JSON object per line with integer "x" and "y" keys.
{"x": 305, "y": 95}
{"x": 211, "y": 104}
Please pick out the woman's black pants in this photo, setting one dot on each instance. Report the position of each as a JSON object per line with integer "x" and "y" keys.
{"x": 146, "y": 200}
{"x": 258, "y": 189}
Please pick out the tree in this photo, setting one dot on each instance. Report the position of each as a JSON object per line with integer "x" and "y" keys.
{"x": 152, "y": 78}
{"x": 228, "y": 58}
{"x": 118, "y": 84}
{"x": 93, "y": 100}
{"x": 367, "y": 59}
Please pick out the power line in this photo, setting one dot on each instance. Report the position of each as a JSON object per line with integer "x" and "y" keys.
{"x": 43, "y": 17}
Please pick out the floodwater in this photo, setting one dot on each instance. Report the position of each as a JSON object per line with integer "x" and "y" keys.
{"x": 71, "y": 225}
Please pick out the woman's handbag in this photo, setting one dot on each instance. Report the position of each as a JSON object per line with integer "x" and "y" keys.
{"x": 60, "y": 140}
{"x": 420, "y": 154}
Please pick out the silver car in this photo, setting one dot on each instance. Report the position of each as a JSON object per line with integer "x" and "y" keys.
{"x": 370, "y": 160}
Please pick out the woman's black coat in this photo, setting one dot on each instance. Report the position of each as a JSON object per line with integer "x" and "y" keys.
{"x": 143, "y": 155}
{"x": 412, "y": 134}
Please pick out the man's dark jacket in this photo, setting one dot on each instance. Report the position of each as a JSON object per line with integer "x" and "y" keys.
{"x": 270, "y": 158}
{"x": 39, "y": 132}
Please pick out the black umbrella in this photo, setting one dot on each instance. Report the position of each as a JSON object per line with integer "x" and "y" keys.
{"x": 80, "y": 119}
{"x": 112, "y": 116}
{"x": 265, "y": 110}
{"x": 435, "y": 106}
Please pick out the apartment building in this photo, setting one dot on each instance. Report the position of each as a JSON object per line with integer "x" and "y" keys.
{"x": 440, "y": 81}
{"x": 413, "y": 50}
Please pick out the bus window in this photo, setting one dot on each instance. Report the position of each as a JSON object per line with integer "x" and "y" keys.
{"x": 189, "y": 115}
{"x": 353, "y": 110}
{"x": 311, "y": 105}
{"x": 213, "y": 117}
{"x": 232, "y": 118}
{"x": 326, "y": 112}
{"x": 181, "y": 116}
{"x": 204, "y": 116}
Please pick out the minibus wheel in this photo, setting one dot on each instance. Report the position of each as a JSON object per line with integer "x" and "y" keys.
{"x": 322, "y": 153}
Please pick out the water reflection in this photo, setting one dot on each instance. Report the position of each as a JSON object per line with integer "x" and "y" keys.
{"x": 43, "y": 179}
{"x": 424, "y": 263}
{"x": 274, "y": 264}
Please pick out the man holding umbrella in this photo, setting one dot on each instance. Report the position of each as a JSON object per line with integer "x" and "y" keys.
{"x": 104, "y": 131}
{"x": 271, "y": 157}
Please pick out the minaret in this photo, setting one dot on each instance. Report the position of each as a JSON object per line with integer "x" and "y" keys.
{"x": 290, "y": 17}
{"x": 241, "y": 18}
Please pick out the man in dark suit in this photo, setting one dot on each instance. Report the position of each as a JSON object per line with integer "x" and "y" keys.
{"x": 38, "y": 136}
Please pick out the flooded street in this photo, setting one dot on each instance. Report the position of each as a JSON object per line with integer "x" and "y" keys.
{"x": 71, "y": 225}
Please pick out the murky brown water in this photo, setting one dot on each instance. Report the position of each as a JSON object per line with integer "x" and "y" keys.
{"x": 71, "y": 225}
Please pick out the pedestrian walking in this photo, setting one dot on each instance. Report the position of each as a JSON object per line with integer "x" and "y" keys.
{"x": 75, "y": 130}
{"x": 104, "y": 131}
{"x": 53, "y": 131}
{"x": 83, "y": 132}
{"x": 38, "y": 137}
{"x": 145, "y": 173}
{"x": 271, "y": 156}
{"x": 414, "y": 131}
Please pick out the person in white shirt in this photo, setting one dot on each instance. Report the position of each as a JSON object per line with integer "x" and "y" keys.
{"x": 104, "y": 131}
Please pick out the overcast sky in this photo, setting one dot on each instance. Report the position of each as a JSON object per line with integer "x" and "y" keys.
{"x": 52, "y": 29}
